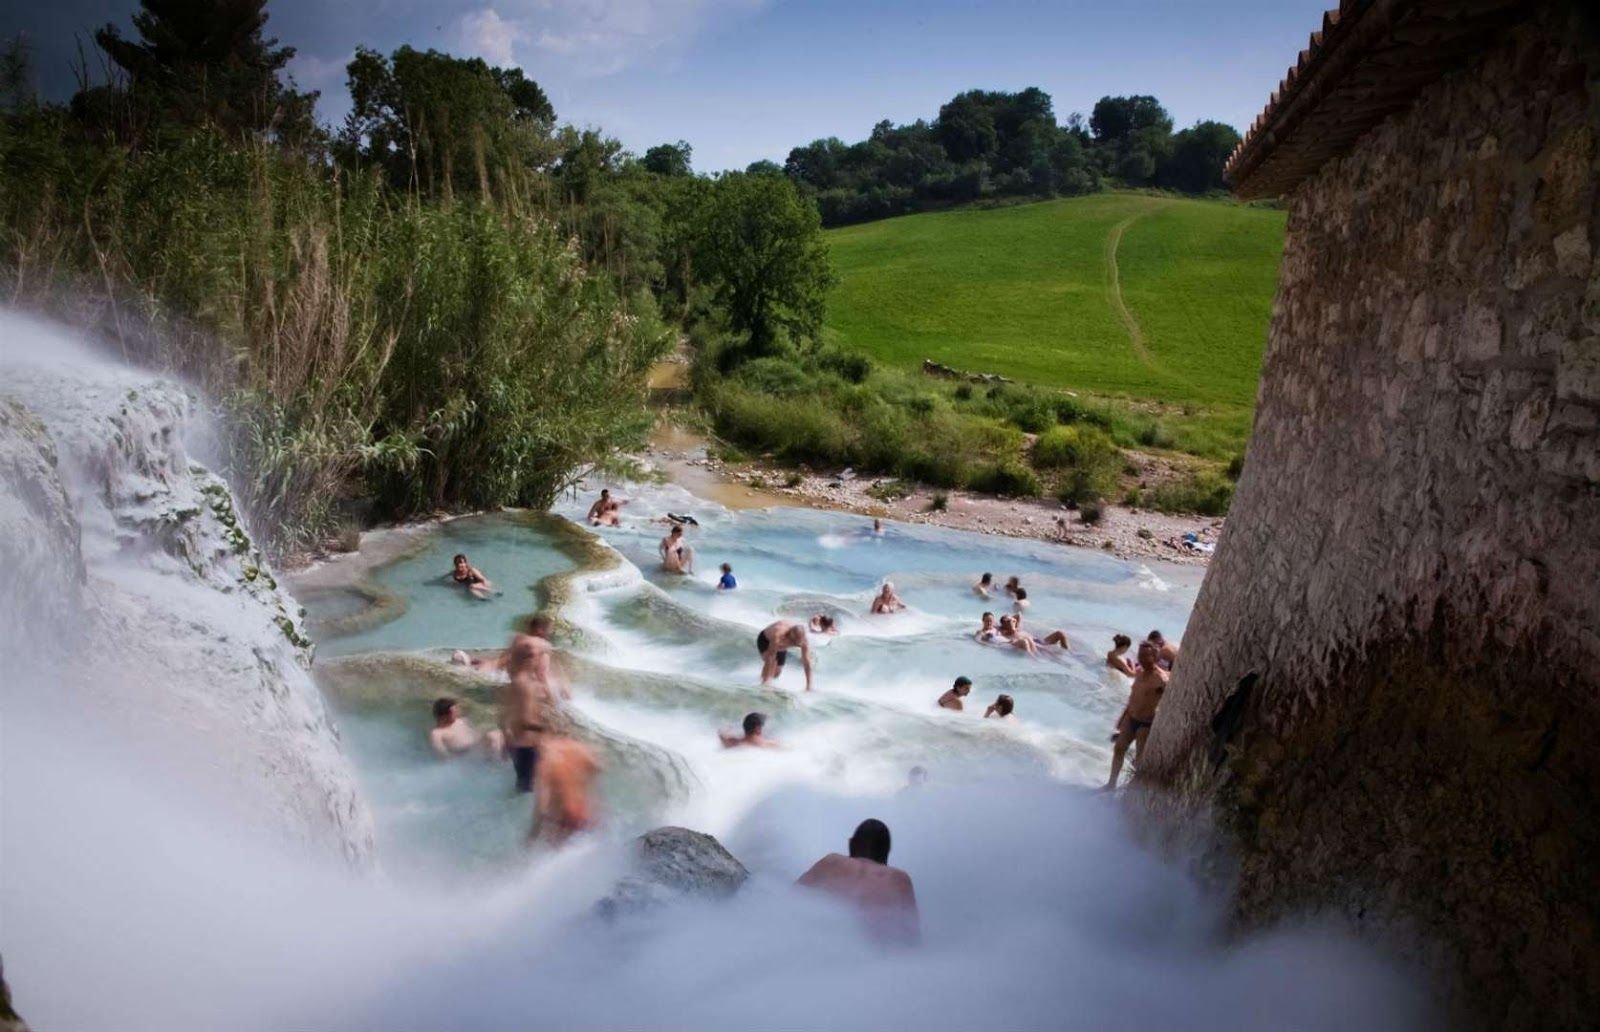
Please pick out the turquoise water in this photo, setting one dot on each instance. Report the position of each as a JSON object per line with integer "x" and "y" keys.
{"x": 662, "y": 661}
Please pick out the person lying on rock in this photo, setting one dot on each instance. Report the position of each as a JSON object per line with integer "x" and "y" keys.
{"x": 562, "y": 804}
{"x": 754, "y": 733}
{"x": 883, "y": 894}
{"x": 470, "y": 577}
{"x": 1134, "y": 725}
{"x": 951, "y": 699}
{"x": 453, "y": 735}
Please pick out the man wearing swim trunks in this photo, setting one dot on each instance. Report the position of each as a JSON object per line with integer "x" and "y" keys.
{"x": 779, "y": 637}
{"x": 1148, "y": 686}
{"x": 526, "y": 699}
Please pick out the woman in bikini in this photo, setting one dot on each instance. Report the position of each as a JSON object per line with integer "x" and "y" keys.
{"x": 470, "y": 577}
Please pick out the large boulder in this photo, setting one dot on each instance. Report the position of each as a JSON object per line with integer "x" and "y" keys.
{"x": 672, "y": 864}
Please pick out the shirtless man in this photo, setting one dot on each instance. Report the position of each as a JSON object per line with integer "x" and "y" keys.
{"x": 958, "y": 691}
{"x": 1013, "y": 585}
{"x": 470, "y": 577}
{"x": 562, "y": 805}
{"x": 452, "y": 735}
{"x": 988, "y": 632}
{"x": 780, "y": 636}
{"x": 1134, "y": 726}
{"x": 1166, "y": 652}
{"x": 1117, "y": 658}
{"x": 755, "y": 725}
{"x": 526, "y": 700}
{"x": 1001, "y": 707}
{"x": 605, "y": 512}
{"x": 676, "y": 555}
{"x": 984, "y": 586}
{"x": 887, "y": 601}
{"x": 1019, "y": 638}
{"x": 883, "y": 894}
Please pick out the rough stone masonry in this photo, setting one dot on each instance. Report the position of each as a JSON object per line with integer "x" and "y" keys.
{"x": 1389, "y": 694}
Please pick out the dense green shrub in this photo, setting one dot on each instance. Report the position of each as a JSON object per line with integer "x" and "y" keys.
{"x": 1007, "y": 477}
{"x": 1205, "y": 493}
{"x": 776, "y": 376}
{"x": 1090, "y": 461}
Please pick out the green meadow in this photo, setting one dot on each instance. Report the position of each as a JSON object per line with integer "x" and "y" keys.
{"x": 1159, "y": 303}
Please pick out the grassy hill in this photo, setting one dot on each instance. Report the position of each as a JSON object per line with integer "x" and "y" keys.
{"x": 1148, "y": 299}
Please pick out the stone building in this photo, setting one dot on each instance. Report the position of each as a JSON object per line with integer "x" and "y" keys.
{"x": 1389, "y": 693}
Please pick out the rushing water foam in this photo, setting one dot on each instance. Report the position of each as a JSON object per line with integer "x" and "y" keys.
{"x": 177, "y": 908}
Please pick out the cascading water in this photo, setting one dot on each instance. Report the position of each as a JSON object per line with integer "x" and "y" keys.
{"x": 162, "y": 779}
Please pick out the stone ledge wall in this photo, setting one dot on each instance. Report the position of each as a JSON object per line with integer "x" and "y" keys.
{"x": 1390, "y": 688}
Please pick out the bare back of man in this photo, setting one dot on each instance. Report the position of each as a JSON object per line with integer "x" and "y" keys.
{"x": 883, "y": 894}
{"x": 562, "y": 804}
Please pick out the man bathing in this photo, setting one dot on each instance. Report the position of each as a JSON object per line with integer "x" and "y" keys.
{"x": 1000, "y": 707}
{"x": 1166, "y": 652}
{"x": 755, "y": 725}
{"x": 676, "y": 555}
{"x": 453, "y": 736}
{"x": 887, "y": 601}
{"x": 470, "y": 577}
{"x": 1117, "y": 658}
{"x": 1143, "y": 698}
{"x": 528, "y": 697}
{"x": 883, "y": 894}
{"x": 606, "y": 511}
{"x": 561, "y": 805}
{"x": 951, "y": 699}
{"x": 779, "y": 637}
{"x": 984, "y": 586}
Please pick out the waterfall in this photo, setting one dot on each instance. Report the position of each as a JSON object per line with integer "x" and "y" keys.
{"x": 135, "y": 600}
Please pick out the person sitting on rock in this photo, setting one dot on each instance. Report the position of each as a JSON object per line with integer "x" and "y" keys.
{"x": 453, "y": 736}
{"x": 1000, "y": 707}
{"x": 887, "y": 601}
{"x": 754, "y": 733}
{"x": 884, "y": 895}
{"x": 470, "y": 577}
{"x": 951, "y": 699}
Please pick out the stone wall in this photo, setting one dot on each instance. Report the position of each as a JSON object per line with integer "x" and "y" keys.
{"x": 1390, "y": 690}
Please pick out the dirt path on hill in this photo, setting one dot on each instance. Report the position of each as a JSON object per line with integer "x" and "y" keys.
{"x": 1114, "y": 286}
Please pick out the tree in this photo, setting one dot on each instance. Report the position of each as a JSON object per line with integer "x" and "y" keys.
{"x": 669, "y": 159}
{"x": 1117, "y": 119}
{"x": 442, "y": 124}
{"x": 1197, "y": 157}
{"x": 207, "y": 64}
{"x": 758, "y": 246}
{"x": 763, "y": 168}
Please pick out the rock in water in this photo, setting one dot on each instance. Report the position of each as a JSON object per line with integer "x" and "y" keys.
{"x": 673, "y": 864}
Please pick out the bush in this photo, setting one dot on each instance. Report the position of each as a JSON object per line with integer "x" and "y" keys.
{"x": 851, "y": 367}
{"x": 1091, "y": 461}
{"x": 1235, "y": 467}
{"x": 778, "y": 377}
{"x": 1154, "y": 435}
{"x": 1206, "y": 494}
{"x": 1090, "y": 513}
{"x": 793, "y": 480}
{"x": 1008, "y": 478}
{"x": 940, "y": 502}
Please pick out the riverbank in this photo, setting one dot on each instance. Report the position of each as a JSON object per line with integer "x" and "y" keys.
{"x": 683, "y": 457}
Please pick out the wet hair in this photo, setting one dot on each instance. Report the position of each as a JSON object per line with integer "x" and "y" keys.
{"x": 754, "y": 722}
{"x": 441, "y": 707}
{"x": 1003, "y": 705}
{"x": 987, "y": 578}
{"x": 540, "y": 624}
{"x": 605, "y": 492}
{"x": 1014, "y": 579}
{"x": 677, "y": 528}
{"x": 459, "y": 558}
{"x": 1121, "y": 641}
{"x": 989, "y": 615}
{"x": 825, "y": 621}
{"x": 1022, "y": 593}
{"x": 871, "y": 841}
{"x": 1155, "y": 637}
{"x": 963, "y": 680}
{"x": 727, "y": 567}
{"x": 1147, "y": 644}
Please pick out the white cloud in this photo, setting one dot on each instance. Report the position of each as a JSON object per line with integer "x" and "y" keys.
{"x": 487, "y": 35}
{"x": 324, "y": 74}
{"x": 597, "y": 37}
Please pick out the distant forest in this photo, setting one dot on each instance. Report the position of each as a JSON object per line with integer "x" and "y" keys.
{"x": 991, "y": 144}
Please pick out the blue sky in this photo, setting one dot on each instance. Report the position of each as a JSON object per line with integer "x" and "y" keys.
{"x": 748, "y": 79}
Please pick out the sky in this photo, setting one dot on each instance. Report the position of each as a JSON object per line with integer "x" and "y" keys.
{"x": 742, "y": 80}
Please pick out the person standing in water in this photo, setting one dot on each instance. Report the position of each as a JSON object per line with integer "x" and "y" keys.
{"x": 527, "y": 699}
{"x": 562, "y": 804}
{"x": 1134, "y": 727}
{"x": 755, "y": 725}
{"x": 1117, "y": 658}
{"x": 884, "y": 895}
{"x": 676, "y": 555}
{"x": 778, "y": 638}
{"x": 453, "y": 736}
{"x": 1166, "y": 652}
{"x": 470, "y": 577}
